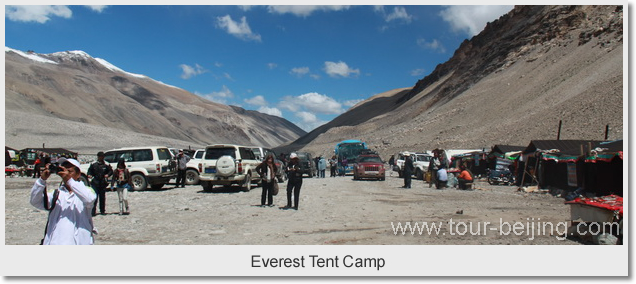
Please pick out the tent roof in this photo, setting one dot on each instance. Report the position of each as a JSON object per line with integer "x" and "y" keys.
{"x": 9, "y": 148}
{"x": 507, "y": 148}
{"x": 564, "y": 146}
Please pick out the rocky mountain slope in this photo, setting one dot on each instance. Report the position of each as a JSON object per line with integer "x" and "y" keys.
{"x": 76, "y": 87}
{"x": 512, "y": 83}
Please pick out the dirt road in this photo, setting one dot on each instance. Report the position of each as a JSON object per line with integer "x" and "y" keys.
{"x": 332, "y": 211}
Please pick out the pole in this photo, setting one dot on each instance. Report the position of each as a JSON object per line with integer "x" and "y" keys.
{"x": 606, "y": 131}
{"x": 559, "y": 132}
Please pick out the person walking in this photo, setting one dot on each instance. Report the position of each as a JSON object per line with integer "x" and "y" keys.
{"x": 99, "y": 172}
{"x": 408, "y": 170}
{"x": 267, "y": 170}
{"x": 123, "y": 181}
{"x": 322, "y": 166}
{"x": 69, "y": 221}
{"x": 182, "y": 165}
{"x": 295, "y": 181}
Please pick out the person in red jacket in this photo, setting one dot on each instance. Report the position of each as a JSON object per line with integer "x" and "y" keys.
{"x": 464, "y": 177}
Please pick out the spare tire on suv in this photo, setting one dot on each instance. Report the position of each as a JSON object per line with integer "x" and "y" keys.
{"x": 225, "y": 166}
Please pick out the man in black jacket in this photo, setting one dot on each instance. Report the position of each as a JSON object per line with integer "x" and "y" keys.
{"x": 295, "y": 175}
{"x": 408, "y": 170}
{"x": 100, "y": 171}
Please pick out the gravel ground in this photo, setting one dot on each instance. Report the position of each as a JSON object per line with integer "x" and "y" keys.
{"x": 331, "y": 211}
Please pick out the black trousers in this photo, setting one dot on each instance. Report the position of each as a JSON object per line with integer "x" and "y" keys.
{"x": 333, "y": 171}
{"x": 268, "y": 188}
{"x": 407, "y": 179}
{"x": 294, "y": 185}
{"x": 462, "y": 183}
{"x": 433, "y": 179}
{"x": 181, "y": 177}
{"x": 101, "y": 198}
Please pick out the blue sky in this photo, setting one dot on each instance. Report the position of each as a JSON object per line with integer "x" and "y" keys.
{"x": 306, "y": 63}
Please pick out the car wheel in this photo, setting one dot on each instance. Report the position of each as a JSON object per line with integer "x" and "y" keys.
{"x": 400, "y": 174}
{"x": 192, "y": 177}
{"x": 207, "y": 186}
{"x": 247, "y": 183}
{"x": 282, "y": 178}
{"x": 419, "y": 174}
{"x": 225, "y": 166}
{"x": 138, "y": 182}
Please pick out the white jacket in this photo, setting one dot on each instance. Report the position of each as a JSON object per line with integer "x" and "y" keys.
{"x": 70, "y": 222}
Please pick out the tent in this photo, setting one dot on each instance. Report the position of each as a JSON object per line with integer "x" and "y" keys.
{"x": 573, "y": 164}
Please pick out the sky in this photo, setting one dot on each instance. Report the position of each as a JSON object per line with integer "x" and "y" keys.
{"x": 307, "y": 64}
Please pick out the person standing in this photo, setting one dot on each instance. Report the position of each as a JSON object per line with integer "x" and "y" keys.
{"x": 267, "y": 170}
{"x": 69, "y": 221}
{"x": 36, "y": 166}
{"x": 322, "y": 166}
{"x": 121, "y": 177}
{"x": 333, "y": 165}
{"x": 408, "y": 170}
{"x": 99, "y": 172}
{"x": 295, "y": 181}
{"x": 391, "y": 164}
{"x": 182, "y": 165}
{"x": 433, "y": 167}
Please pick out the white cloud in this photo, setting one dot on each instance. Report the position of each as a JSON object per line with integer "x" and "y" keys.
{"x": 417, "y": 72}
{"x": 221, "y": 96}
{"x": 309, "y": 121}
{"x": 334, "y": 69}
{"x": 36, "y": 13}
{"x": 434, "y": 45}
{"x": 351, "y": 103}
{"x": 97, "y": 8}
{"x": 271, "y": 111}
{"x": 399, "y": 13}
{"x": 299, "y": 71}
{"x": 190, "y": 71}
{"x": 472, "y": 19}
{"x": 257, "y": 101}
{"x": 240, "y": 29}
{"x": 272, "y": 65}
{"x": 311, "y": 102}
{"x": 304, "y": 10}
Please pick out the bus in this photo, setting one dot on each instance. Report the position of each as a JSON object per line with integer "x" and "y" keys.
{"x": 347, "y": 151}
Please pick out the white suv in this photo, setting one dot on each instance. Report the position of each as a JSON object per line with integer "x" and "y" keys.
{"x": 192, "y": 170}
{"x": 227, "y": 165}
{"x": 420, "y": 162}
{"x": 147, "y": 165}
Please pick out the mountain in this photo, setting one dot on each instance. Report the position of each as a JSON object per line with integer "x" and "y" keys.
{"x": 73, "y": 86}
{"x": 510, "y": 84}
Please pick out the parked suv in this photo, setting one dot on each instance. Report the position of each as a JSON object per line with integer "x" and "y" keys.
{"x": 420, "y": 162}
{"x": 192, "y": 170}
{"x": 261, "y": 153}
{"x": 147, "y": 165}
{"x": 227, "y": 165}
{"x": 307, "y": 164}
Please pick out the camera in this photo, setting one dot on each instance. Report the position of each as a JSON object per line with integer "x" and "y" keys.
{"x": 54, "y": 168}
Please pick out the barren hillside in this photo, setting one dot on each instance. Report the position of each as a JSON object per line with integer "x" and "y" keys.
{"x": 76, "y": 87}
{"x": 510, "y": 84}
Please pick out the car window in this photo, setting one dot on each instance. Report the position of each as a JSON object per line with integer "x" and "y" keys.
{"x": 247, "y": 154}
{"x": 257, "y": 153}
{"x": 199, "y": 154}
{"x": 163, "y": 154}
{"x": 111, "y": 157}
{"x": 142, "y": 155}
{"x": 370, "y": 160}
{"x": 215, "y": 153}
